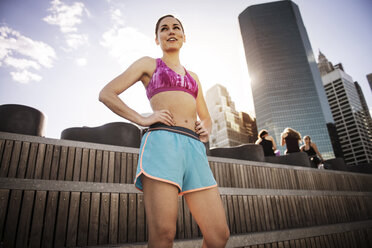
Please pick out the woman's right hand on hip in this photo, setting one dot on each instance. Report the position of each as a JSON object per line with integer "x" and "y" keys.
{"x": 163, "y": 116}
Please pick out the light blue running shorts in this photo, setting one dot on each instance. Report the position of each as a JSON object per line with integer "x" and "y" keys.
{"x": 174, "y": 155}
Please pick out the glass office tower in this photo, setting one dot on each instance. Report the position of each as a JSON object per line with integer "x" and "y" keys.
{"x": 286, "y": 84}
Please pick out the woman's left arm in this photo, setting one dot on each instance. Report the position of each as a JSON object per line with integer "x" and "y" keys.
{"x": 317, "y": 151}
{"x": 204, "y": 126}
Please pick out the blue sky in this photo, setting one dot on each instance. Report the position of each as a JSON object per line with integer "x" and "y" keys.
{"x": 56, "y": 55}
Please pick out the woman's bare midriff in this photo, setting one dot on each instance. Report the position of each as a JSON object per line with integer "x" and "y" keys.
{"x": 184, "y": 112}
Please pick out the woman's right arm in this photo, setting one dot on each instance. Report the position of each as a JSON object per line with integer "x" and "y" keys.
{"x": 302, "y": 148}
{"x": 109, "y": 95}
{"x": 282, "y": 139}
{"x": 317, "y": 151}
{"x": 274, "y": 144}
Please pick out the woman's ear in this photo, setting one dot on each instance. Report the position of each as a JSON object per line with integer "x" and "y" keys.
{"x": 157, "y": 41}
{"x": 184, "y": 38}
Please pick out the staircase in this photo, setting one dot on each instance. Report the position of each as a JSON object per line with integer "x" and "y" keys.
{"x": 60, "y": 193}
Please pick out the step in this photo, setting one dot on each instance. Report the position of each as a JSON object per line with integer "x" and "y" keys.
{"x": 56, "y": 193}
{"x": 60, "y": 213}
{"x": 355, "y": 234}
{"x": 23, "y": 156}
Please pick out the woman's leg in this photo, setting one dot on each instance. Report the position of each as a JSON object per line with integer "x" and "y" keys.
{"x": 207, "y": 209}
{"x": 315, "y": 162}
{"x": 161, "y": 206}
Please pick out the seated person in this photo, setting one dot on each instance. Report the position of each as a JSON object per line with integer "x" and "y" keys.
{"x": 267, "y": 142}
{"x": 312, "y": 151}
{"x": 290, "y": 138}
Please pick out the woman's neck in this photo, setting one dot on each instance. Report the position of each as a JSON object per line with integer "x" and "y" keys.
{"x": 172, "y": 58}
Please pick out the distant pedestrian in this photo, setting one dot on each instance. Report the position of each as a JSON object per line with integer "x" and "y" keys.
{"x": 291, "y": 139}
{"x": 312, "y": 151}
{"x": 267, "y": 142}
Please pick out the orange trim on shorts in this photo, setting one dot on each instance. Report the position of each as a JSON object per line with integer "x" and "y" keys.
{"x": 148, "y": 175}
{"x": 198, "y": 189}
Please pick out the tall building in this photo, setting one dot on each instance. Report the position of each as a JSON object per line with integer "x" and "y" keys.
{"x": 324, "y": 65}
{"x": 335, "y": 140}
{"x": 369, "y": 78}
{"x": 367, "y": 120}
{"x": 229, "y": 127}
{"x": 351, "y": 118}
{"x": 250, "y": 126}
{"x": 286, "y": 84}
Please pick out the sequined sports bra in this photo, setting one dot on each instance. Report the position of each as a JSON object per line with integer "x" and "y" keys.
{"x": 165, "y": 79}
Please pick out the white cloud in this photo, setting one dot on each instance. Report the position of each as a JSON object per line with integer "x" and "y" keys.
{"x": 67, "y": 17}
{"x": 126, "y": 44}
{"x": 81, "y": 61}
{"x": 25, "y": 76}
{"x": 117, "y": 17}
{"x": 76, "y": 40}
{"x": 21, "y": 63}
{"x": 23, "y": 53}
{"x": 12, "y": 42}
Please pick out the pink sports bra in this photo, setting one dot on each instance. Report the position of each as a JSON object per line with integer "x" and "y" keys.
{"x": 165, "y": 79}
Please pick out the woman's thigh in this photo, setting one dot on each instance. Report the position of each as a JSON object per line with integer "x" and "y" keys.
{"x": 161, "y": 203}
{"x": 207, "y": 209}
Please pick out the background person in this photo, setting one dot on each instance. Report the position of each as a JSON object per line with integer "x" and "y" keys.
{"x": 291, "y": 139}
{"x": 267, "y": 142}
{"x": 312, "y": 151}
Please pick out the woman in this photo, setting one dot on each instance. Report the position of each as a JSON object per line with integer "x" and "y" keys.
{"x": 312, "y": 151}
{"x": 172, "y": 159}
{"x": 267, "y": 142}
{"x": 291, "y": 139}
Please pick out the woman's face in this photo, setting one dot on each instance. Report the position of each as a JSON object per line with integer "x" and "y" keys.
{"x": 170, "y": 35}
{"x": 306, "y": 140}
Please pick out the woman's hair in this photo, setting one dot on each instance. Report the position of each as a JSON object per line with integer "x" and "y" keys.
{"x": 161, "y": 18}
{"x": 307, "y": 136}
{"x": 262, "y": 133}
{"x": 292, "y": 133}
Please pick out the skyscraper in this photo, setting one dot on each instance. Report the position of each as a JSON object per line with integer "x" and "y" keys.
{"x": 229, "y": 127}
{"x": 369, "y": 78}
{"x": 367, "y": 120}
{"x": 352, "y": 120}
{"x": 286, "y": 85}
{"x": 250, "y": 126}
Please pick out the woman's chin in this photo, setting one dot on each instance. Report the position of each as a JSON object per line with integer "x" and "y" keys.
{"x": 173, "y": 48}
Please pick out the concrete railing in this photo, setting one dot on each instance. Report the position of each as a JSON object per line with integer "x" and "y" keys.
{"x": 21, "y": 119}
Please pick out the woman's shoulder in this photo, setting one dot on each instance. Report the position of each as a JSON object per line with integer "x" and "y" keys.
{"x": 146, "y": 60}
{"x": 145, "y": 64}
{"x": 193, "y": 75}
